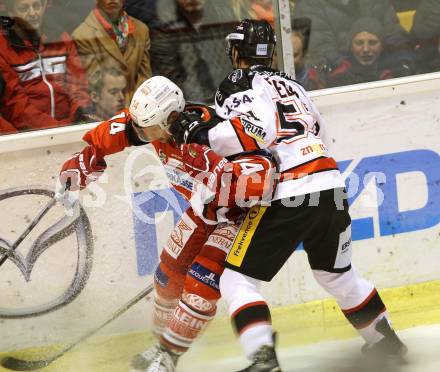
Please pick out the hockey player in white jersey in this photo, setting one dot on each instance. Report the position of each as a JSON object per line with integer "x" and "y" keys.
{"x": 267, "y": 109}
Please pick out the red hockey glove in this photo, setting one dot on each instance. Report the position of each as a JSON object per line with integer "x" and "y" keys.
{"x": 82, "y": 168}
{"x": 201, "y": 160}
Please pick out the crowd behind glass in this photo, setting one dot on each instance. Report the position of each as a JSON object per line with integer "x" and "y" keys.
{"x": 68, "y": 62}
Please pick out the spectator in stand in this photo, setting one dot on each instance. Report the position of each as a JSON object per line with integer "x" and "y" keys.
{"x": 110, "y": 36}
{"x": 107, "y": 88}
{"x": 188, "y": 39}
{"x": 45, "y": 84}
{"x": 257, "y": 9}
{"x": 426, "y": 33}
{"x": 365, "y": 61}
{"x": 308, "y": 77}
{"x": 5, "y": 127}
{"x": 331, "y": 23}
{"x": 67, "y": 15}
{"x": 254, "y": 9}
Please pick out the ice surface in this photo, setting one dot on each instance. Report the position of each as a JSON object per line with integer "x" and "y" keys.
{"x": 342, "y": 356}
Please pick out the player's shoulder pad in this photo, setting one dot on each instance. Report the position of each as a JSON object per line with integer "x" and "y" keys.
{"x": 237, "y": 81}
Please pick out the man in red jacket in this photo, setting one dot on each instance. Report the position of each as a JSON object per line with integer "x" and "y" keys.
{"x": 46, "y": 86}
{"x": 5, "y": 126}
{"x": 219, "y": 191}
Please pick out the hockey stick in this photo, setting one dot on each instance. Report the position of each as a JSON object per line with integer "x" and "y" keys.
{"x": 16, "y": 364}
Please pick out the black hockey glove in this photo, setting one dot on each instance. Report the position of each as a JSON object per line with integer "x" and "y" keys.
{"x": 188, "y": 127}
{"x": 205, "y": 112}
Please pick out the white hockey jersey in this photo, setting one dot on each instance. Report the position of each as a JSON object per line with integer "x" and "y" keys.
{"x": 267, "y": 109}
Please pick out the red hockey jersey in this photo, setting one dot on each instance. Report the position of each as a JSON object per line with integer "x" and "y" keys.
{"x": 224, "y": 188}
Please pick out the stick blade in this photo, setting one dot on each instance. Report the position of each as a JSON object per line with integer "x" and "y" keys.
{"x": 16, "y": 364}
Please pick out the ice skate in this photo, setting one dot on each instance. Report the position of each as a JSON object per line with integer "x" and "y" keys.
{"x": 389, "y": 346}
{"x": 264, "y": 360}
{"x": 163, "y": 361}
{"x": 142, "y": 361}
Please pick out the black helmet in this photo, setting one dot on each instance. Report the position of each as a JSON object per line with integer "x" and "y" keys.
{"x": 253, "y": 39}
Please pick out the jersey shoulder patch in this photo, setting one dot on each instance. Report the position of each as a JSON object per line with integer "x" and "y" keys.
{"x": 237, "y": 81}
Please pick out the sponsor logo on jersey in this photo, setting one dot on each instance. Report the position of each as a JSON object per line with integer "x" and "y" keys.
{"x": 160, "y": 277}
{"x": 235, "y": 102}
{"x": 219, "y": 98}
{"x": 253, "y": 213}
{"x": 162, "y": 315}
{"x": 244, "y": 236}
{"x": 178, "y": 178}
{"x": 214, "y": 174}
{"x": 346, "y": 245}
{"x": 219, "y": 242}
{"x": 204, "y": 275}
{"x": 197, "y": 302}
{"x": 222, "y": 238}
{"x": 187, "y": 323}
{"x": 236, "y": 75}
{"x": 253, "y": 130}
{"x": 180, "y": 236}
{"x": 343, "y": 255}
{"x": 318, "y": 148}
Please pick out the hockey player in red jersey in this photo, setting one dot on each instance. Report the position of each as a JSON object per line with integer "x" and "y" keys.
{"x": 266, "y": 109}
{"x": 219, "y": 191}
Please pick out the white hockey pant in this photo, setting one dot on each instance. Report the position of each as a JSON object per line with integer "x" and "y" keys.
{"x": 358, "y": 300}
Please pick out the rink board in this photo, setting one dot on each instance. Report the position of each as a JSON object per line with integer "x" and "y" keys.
{"x": 385, "y": 140}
